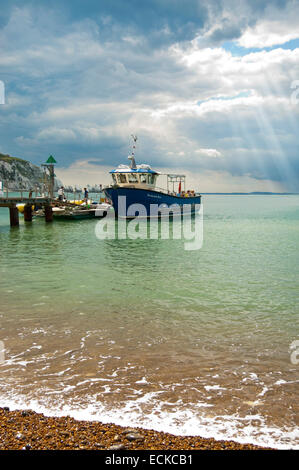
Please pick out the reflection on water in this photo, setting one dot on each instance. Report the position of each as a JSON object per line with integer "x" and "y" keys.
{"x": 144, "y": 332}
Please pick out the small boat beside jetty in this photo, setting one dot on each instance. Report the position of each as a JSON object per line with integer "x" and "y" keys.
{"x": 82, "y": 212}
{"x": 78, "y": 212}
{"x": 134, "y": 189}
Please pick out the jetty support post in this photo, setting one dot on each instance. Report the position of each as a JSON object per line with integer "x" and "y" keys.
{"x": 28, "y": 213}
{"x": 48, "y": 213}
{"x": 14, "y": 216}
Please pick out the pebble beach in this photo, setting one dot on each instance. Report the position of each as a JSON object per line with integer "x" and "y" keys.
{"x": 27, "y": 430}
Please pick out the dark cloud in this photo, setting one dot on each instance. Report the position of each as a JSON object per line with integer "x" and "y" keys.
{"x": 82, "y": 76}
{"x": 159, "y": 22}
{"x": 226, "y": 32}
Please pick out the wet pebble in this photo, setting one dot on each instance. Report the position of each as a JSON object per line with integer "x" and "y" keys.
{"x": 117, "y": 447}
{"x": 128, "y": 430}
{"x": 99, "y": 445}
{"x": 134, "y": 437}
{"x": 27, "y": 447}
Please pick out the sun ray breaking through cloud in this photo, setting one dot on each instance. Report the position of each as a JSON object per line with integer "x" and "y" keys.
{"x": 206, "y": 87}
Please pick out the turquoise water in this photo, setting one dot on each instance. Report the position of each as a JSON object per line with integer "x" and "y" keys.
{"x": 143, "y": 332}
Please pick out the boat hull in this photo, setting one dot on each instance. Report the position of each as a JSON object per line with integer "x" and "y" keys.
{"x": 154, "y": 203}
{"x": 81, "y": 215}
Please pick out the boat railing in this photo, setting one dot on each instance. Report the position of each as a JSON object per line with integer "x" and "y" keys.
{"x": 165, "y": 191}
{"x": 171, "y": 193}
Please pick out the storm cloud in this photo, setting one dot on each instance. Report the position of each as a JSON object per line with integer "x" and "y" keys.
{"x": 205, "y": 85}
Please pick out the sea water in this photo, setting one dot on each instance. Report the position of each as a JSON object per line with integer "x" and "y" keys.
{"x": 144, "y": 333}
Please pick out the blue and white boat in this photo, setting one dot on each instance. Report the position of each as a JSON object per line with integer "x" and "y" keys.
{"x": 134, "y": 192}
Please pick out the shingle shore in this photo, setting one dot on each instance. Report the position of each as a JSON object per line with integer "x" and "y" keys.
{"x": 27, "y": 430}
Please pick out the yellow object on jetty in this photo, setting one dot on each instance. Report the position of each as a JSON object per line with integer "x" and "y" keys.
{"x": 77, "y": 202}
{"x": 21, "y": 208}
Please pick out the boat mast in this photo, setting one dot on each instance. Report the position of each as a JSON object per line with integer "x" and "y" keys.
{"x": 132, "y": 156}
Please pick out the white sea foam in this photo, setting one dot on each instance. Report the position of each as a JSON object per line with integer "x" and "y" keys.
{"x": 191, "y": 422}
{"x": 214, "y": 387}
{"x": 262, "y": 393}
{"x": 142, "y": 381}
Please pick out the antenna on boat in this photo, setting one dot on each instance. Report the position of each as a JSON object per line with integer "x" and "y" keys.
{"x": 132, "y": 156}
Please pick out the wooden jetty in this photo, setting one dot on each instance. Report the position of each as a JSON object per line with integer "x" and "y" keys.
{"x": 11, "y": 203}
{"x": 34, "y": 199}
{"x": 44, "y": 201}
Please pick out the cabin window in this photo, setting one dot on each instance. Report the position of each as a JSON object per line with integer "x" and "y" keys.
{"x": 144, "y": 179}
{"x": 133, "y": 178}
{"x": 114, "y": 178}
{"x": 122, "y": 178}
{"x": 151, "y": 179}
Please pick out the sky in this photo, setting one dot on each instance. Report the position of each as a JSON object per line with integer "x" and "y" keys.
{"x": 211, "y": 89}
